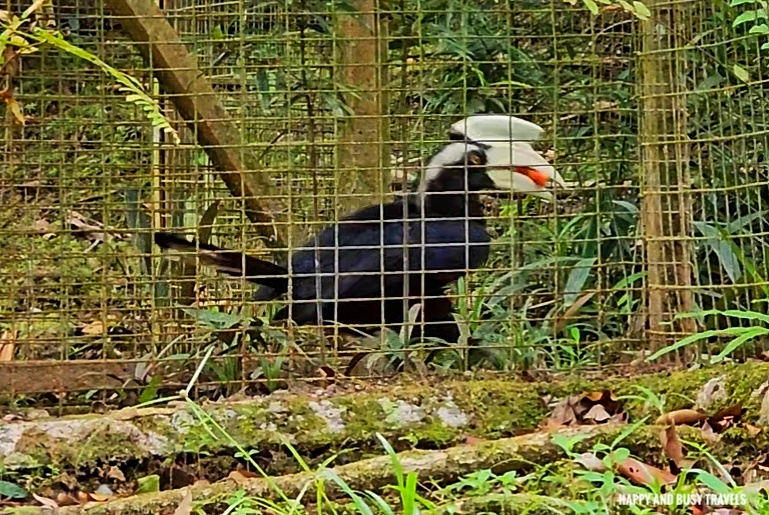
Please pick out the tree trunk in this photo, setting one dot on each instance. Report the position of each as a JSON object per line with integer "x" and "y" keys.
{"x": 666, "y": 207}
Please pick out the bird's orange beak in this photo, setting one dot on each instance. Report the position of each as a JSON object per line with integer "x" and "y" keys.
{"x": 539, "y": 178}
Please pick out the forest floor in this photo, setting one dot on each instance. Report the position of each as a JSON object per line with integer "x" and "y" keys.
{"x": 691, "y": 441}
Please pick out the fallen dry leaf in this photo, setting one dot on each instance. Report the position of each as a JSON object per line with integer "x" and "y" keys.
{"x": 185, "y": 507}
{"x": 672, "y": 446}
{"x": 45, "y": 501}
{"x": 472, "y": 440}
{"x": 763, "y": 414}
{"x": 726, "y": 418}
{"x": 594, "y": 407}
{"x": 562, "y": 415}
{"x": 93, "y": 230}
{"x": 708, "y": 434}
{"x": 605, "y": 105}
{"x": 98, "y": 327}
{"x": 10, "y": 66}
{"x": 591, "y": 462}
{"x": 682, "y": 417}
{"x": 758, "y": 487}
{"x": 116, "y": 474}
{"x": 13, "y": 106}
{"x": 94, "y": 328}
{"x": 699, "y": 509}
{"x": 594, "y": 396}
{"x": 246, "y": 473}
{"x": 611, "y": 8}
{"x": 326, "y": 376}
{"x": 65, "y": 499}
{"x": 643, "y": 474}
{"x": 597, "y": 414}
{"x": 7, "y": 346}
{"x": 42, "y": 225}
{"x": 237, "y": 476}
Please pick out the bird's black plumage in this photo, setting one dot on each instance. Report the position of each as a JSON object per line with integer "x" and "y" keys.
{"x": 355, "y": 270}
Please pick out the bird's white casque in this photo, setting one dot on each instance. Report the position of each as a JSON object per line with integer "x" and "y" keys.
{"x": 510, "y": 140}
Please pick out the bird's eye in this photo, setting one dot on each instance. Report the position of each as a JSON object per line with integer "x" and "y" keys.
{"x": 474, "y": 159}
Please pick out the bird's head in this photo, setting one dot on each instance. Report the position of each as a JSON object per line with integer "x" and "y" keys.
{"x": 459, "y": 166}
{"x": 497, "y": 153}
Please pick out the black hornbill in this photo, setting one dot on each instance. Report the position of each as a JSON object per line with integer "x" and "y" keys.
{"x": 355, "y": 270}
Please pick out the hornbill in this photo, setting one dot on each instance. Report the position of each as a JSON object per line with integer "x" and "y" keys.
{"x": 356, "y": 270}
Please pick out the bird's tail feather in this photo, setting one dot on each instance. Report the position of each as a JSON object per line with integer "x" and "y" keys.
{"x": 230, "y": 262}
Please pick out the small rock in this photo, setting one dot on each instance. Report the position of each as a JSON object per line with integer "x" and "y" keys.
{"x": 104, "y": 490}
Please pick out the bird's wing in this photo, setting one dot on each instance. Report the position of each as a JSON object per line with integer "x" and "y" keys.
{"x": 446, "y": 251}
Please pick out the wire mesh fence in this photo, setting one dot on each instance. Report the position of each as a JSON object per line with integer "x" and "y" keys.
{"x": 292, "y": 115}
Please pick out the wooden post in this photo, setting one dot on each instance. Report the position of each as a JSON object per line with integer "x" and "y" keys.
{"x": 363, "y": 153}
{"x": 666, "y": 208}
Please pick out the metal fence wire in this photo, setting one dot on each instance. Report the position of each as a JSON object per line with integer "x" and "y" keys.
{"x": 293, "y": 114}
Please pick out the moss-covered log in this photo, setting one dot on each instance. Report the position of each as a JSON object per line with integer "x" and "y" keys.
{"x": 407, "y": 412}
{"x": 442, "y": 467}
{"x": 374, "y": 473}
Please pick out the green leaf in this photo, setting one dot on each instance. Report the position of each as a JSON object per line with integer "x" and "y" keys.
{"x": 148, "y": 484}
{"x": 744, "y": 18}
{"x": 620, "y": 455}
{"x": 694, "y": 338}
{"x": 718, "y": 242}
{"x": 12, "y": 491}
{"x": 765, "y": 46}
{"x": 626, "y": 5}
{"x": 713, "y": 483}
{"x": 577, "y": 279}
{"x": 742, "y": 221}
{"x": 735, "y": 3}
{"x": 759, "y": 29}
{"x": 130, "y": 83}
{"x": 642, "y": 11}
{"x": 737, "y": 343}
{"x": 150, "y": 392}
{"x": 591, "y": 5}
{"x": 741, "y": 73}
{"x": 753, "y": 316}
{"x": 710, "y": 82}
{"x": 215, "y": 320}
{"x": 628, "y": 280}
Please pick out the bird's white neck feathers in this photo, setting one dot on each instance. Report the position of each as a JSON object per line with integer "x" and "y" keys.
{"x": 450, "y": 154}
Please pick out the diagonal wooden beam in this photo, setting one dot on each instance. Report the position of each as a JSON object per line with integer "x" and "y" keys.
{"x": 193, "y": 96}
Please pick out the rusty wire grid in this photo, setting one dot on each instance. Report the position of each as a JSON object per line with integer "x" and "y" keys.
{"x": 658, "y": 128}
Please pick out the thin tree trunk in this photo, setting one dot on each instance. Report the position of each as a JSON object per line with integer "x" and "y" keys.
{"x": 666, "y": 208}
